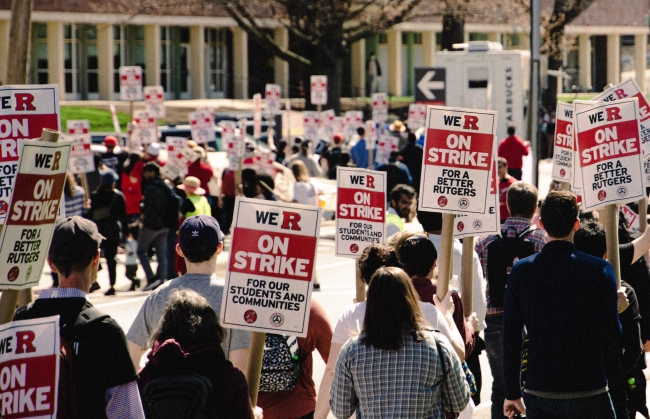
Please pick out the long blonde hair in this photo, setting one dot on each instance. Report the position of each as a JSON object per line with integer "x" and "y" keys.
{"x": 299, "y": 171}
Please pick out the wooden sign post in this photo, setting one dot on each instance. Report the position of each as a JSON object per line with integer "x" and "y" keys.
{"x": 445, "y": 256}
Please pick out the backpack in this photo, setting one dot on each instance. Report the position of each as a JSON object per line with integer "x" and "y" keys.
{"x": 281, "y": 364}
{"x": 502, "y": 254}
{"x": 69, "y": 339}
{"x": 179, "y": 397}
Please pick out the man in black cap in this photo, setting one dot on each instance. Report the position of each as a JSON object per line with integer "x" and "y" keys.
{"x": 104, "y": 377}
{"x": 200, "y": 242}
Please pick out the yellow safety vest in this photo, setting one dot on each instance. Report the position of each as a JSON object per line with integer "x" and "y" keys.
{"x": 201, "y": 206}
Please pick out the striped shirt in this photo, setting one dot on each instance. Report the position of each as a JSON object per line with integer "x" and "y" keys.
{"x": 75, "y": 204}
{"x": 537, "y": 237}
{"x": 408, "y": 383}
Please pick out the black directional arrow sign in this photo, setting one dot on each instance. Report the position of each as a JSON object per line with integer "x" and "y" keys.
{"x": 430, "y": 83}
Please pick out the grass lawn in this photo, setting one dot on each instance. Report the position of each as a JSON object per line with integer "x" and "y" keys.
{"x": 100, "y": 120}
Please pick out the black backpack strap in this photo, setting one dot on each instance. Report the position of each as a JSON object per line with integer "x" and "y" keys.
{"x": 524, "y": 233}
{"x": 24, "y": 312}
{"x": 89, "y": 315}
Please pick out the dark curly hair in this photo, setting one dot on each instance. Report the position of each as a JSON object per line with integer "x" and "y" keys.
{"x": 189, "y": 320}
{"x": 375, "y": 257}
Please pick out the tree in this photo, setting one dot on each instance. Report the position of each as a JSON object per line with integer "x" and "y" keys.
{"x": 322, "y": 31}
{"x": 564, "y": 12}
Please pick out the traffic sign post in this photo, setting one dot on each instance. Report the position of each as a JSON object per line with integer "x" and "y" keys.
{"x": 431, "y": 85}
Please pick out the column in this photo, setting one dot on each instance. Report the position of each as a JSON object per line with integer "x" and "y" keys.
{"x": 56, "y": 56}
{"x": 4, "y": 49}
{"x": 640, "y": 47}
{"x": 394, "y": 62}
{"x": 584, "y": 61}
{"x": 152, "y": 54}
{"x": 613, "y": 58}
{"x": 428, "y": 49}
{"x": 358, "y": 67}
{"x": 240, "y": 63}
{"x": 105, "y": 70}
{"x": 280, "y": 66}
{"x": 197, "y": 62}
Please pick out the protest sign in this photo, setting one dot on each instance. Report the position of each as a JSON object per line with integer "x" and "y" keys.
{"x": 145, "y": 129}
{"x": 386, "y": 145}
{"x": 417, "y": 116}
{"x": 609, "y": 152}
{"x": 339, "y": 124}
{"x": 154, "y": 99}
{"x": 371, "y": 135}
{"x": 25, "y": 111}
{"x": 271, "y": 266}
{"x": 201, "y": 127}
{"x": 81, "y": 156}
{"x": 272, "y": 97}
{"x": 631, "y": 218}
{"x": 458, "y": 154}
{"x": 353, "y": 120}
{"x": 379, "y": 107}
{"x": 328, "y": 121}
{"x": 628, "y": 89}
{"x": 469, "y": 225}
{"x": 29, "y": 368}
{"x": 318, "y": 90}
{"x": 130, "y": 83}
{"x": 576, "y": 185}
{"x": 25, "y": 239}
{"x": 311, "y": 125}
{"x": 564, "y": 144}
{"x": 360, "y": 210}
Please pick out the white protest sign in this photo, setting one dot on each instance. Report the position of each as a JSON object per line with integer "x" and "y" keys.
{"x": 458, "y": 154}
{"x": 24, "y": 112}
{"x": 154, "y": 99}
{"x": 371, "y": 135}
{"x": 386, "y": 145}
{"x": 468, "y": 225}
{"x": 29, "y": 365}
{"x": 145, "y": 129}
{"x": 576, "y": 185}
{"x": 328, "y": 120}
{"x": 26, "y": 237}
{"x": 257, "y": 115}
{"x": 646, "y": 172}
{"x": 361, "y": 210}
{"x": 311, "y": 125}
{"x": 339, "y": 124}
{"x": 318, "y": 90}
{"x": 230, "y": 140}
{"x": 81, "y": 156}
{"x": 272, "y": 98}
{"x": 379, "y": 107}
{"x": 131, "y": 83}
{"x": 201, "y": 127}
{"x": 629, "y": 89}
{"x": 353, "y": 120}
{"x": 631, "y": 218}
{"x": 564, "y": 144}
{"x": 174, "y": 146}
{"x": 116, "y": 122}
{"x": 417, "y": 116}
{"x": 271, "y": 266}
{"x": 609, "y": 151}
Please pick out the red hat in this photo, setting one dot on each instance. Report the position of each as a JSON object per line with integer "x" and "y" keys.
{"x": 338, "y": 138}
{"x": 110, "y": 141}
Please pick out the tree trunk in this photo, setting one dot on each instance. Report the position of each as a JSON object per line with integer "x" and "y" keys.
{"x": 453, "y": 32}
{"x": 550, "y": 95}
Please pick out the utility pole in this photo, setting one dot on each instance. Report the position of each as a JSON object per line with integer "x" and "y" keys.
{"x": 533, "y": 88}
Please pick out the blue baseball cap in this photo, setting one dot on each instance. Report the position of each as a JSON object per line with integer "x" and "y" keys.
{"x": 200, "y": 233}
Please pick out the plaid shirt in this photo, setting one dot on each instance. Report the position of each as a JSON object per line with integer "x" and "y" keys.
{"x": 537, "y": 237}
{"x": 408, "y": 383}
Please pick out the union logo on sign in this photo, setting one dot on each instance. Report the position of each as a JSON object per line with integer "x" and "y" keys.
{"x": 442, "y": 201}
{"x": 602, "y": 195}
{"x": 621, "y": 191}
{"x": 463, "y": 203}
{"x": 250, "y": 316}
{"x": 477, "y": 224}
{"x": 562, "y": 172}
{"x": 354, "y": 248}
{"x": 460, "y": 226}
{"x": 277, "y": 319}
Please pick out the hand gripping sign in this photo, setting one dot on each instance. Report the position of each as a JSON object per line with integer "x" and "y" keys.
{"x": 271, "y": 266}
{"x": 29, "y": 368}
{"x": 25, "y": 240}
{"x": 628, "y": 89}
{"x": 154, "y": 99}
{"x": 564, "y": 144}
{"x": 458, "y": 154}
{"x": 24, "y": 112}
{"x": 480, "y": 224}
{"x": 609, "y": 151}
{"x": 360, "y": 210}
{"x": 130, "y": 83}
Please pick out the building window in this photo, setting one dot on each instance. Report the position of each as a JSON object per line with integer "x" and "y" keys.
{"x": 478, "y": 36}
{"x": 174, "y": 61}
{"x": 38, "y": 67}
{"x": 217, "y": 62}
{"x": 383, "y": 39}
{"x": 415, "y": 36}
{"x": 128, "y": 50}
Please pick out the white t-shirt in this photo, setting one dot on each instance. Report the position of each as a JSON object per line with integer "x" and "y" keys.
{"x": 351, "y": 321}
{"x": 305, "y": 193}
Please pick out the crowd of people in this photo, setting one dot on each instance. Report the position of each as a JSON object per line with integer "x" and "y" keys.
{"x": 562, "y": 340}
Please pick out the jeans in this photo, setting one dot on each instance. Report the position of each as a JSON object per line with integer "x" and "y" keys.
{"x": 592, "y": 407}
{"x": 494, "y": 348}
{"x": 158, "y": 238}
